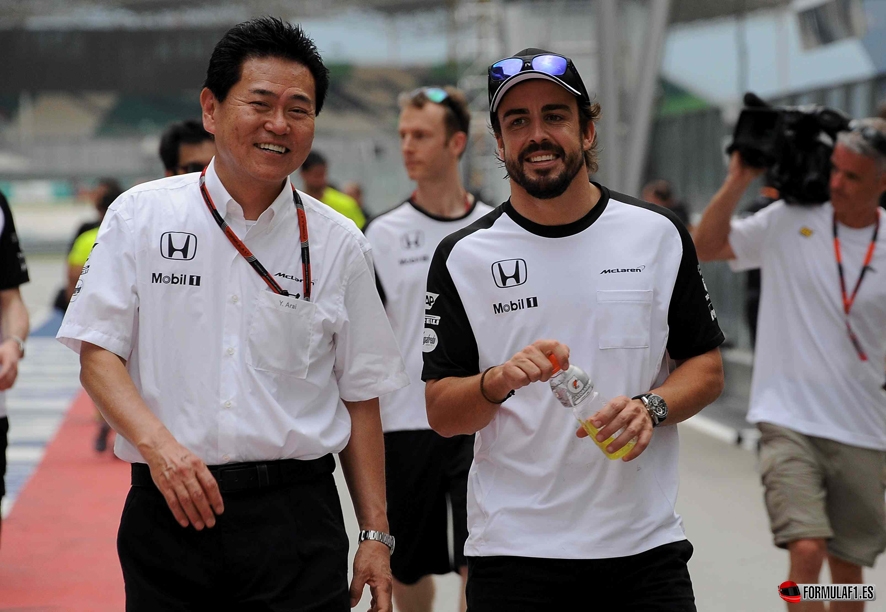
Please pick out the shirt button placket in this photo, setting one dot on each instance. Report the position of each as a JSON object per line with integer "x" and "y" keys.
{"x": 228, "y": 366}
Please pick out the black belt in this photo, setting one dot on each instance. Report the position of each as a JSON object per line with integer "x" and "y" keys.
{"x": 253, "y": 475}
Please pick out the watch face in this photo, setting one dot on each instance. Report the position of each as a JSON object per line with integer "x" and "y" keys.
{"x": 658, "y": 407}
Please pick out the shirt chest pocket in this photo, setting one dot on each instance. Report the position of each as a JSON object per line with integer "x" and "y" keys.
{"x": 281, "y": 334}
{"x": 624, "y": 317}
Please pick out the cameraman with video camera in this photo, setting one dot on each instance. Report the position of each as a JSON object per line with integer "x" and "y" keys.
{"x": 817, "y": 393}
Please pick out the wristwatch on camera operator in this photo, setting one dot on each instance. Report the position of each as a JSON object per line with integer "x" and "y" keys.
{"x": 655, "y": 406}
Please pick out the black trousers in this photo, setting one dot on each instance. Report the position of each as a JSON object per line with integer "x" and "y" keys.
{"x": 277, "y": 548}
{"x": 653, "y": 581}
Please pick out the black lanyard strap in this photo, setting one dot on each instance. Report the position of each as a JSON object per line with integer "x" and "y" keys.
{"x": 849, "y": 300}
{"x": 302, "y": 220}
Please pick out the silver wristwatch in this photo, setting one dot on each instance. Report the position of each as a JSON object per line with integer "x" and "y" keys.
{"x": 655, "y": 406}
{"x": 378, "y": 536}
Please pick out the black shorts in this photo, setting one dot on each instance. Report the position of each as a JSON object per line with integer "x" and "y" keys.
{"x": 4, "y": 441}
{"x": 653, "y": 581}
{"x": 427, "y": 474}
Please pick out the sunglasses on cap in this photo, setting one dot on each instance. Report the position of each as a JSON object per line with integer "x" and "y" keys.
{"x": 509, "y": 71}
{"x": 549, "y": 63}
{"x": 437, "y": 95}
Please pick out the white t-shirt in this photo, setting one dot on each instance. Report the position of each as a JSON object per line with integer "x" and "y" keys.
{"x": 807, "y": 375}
{"x": 403, "y": 242}
{"x": 621, "y": 287}
{"x": 235, "y": 371}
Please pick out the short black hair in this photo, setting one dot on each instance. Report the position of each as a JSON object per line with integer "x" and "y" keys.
{"x": 313, "y": 159}
{"x": 110, "y": 184}
{"x": 259, "y": 38}
{"x": 189, "y": 131}
{"x": 112, "y": 192}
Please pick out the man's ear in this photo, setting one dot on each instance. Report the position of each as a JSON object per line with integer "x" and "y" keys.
{"x": 209, "y": 104}
{"x": 458, "y": 142}
{"x": 588, "y": 136}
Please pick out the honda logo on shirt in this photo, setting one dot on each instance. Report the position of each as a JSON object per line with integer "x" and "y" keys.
{"x": 412, "y": 240}
{"x": 181, "y": 246}
{"x": 509, "y": 273}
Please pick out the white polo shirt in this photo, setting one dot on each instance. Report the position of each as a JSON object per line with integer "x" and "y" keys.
{"x": 235, "y": 371}
{"x": 622, "y": 288}
{"x": 808, "y": 377}
{"x": 403, "y": 242}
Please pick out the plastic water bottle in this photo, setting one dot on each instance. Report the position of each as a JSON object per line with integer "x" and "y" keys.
{"x": 574, "y": 389}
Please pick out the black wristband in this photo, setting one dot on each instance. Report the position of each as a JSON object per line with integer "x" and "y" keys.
{"x": 483, "y": 391}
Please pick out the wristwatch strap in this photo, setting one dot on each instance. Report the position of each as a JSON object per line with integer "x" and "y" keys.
{"x": 378, "y": 536}
{"x": 644, "y": 397}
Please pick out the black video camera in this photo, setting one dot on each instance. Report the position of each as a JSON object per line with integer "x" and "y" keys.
{"x": 794, "y": 143}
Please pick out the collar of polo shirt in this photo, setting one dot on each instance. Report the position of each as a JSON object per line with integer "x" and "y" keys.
{"x": 221, "y": 198}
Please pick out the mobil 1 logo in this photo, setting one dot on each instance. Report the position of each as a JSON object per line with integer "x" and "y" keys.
{"x": 515, "y": 305}
{"x": 158, "y": 278}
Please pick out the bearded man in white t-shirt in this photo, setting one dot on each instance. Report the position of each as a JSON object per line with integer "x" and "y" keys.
{"x": 817, "y": 393}
{"x": 568, "y": 268}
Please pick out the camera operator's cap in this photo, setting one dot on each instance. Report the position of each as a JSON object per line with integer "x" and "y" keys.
{"x": 534, "y": 64}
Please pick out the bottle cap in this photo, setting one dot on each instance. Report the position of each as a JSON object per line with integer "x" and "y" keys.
{"x": 555, "y": 363}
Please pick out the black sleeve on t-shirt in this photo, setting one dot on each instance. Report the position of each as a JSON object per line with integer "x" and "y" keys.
{"x": 455, "y": 350}
{"x": 13, "y": 269}
{"x": 692, "y": 321}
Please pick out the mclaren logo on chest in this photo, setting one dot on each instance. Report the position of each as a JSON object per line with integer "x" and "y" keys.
{"x": 181, "y": 246}
{"x": 623, "y": 270}
{"x": 509, "y": 273}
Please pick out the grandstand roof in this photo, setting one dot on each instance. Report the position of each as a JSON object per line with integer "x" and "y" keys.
{"x": 77, "y": 13}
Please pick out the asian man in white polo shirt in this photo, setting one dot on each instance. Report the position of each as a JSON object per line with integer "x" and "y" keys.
{"x": 234, "y": 352}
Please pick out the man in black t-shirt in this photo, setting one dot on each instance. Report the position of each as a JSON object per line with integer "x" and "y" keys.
{"x": 13, "y": 320}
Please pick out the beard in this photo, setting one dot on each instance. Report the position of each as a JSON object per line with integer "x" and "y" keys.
{"x": 550, "y": 185}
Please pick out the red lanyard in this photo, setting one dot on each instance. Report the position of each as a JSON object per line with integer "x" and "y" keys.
{"x": 848, "y": 301}
{"x": 252, "y": 259}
